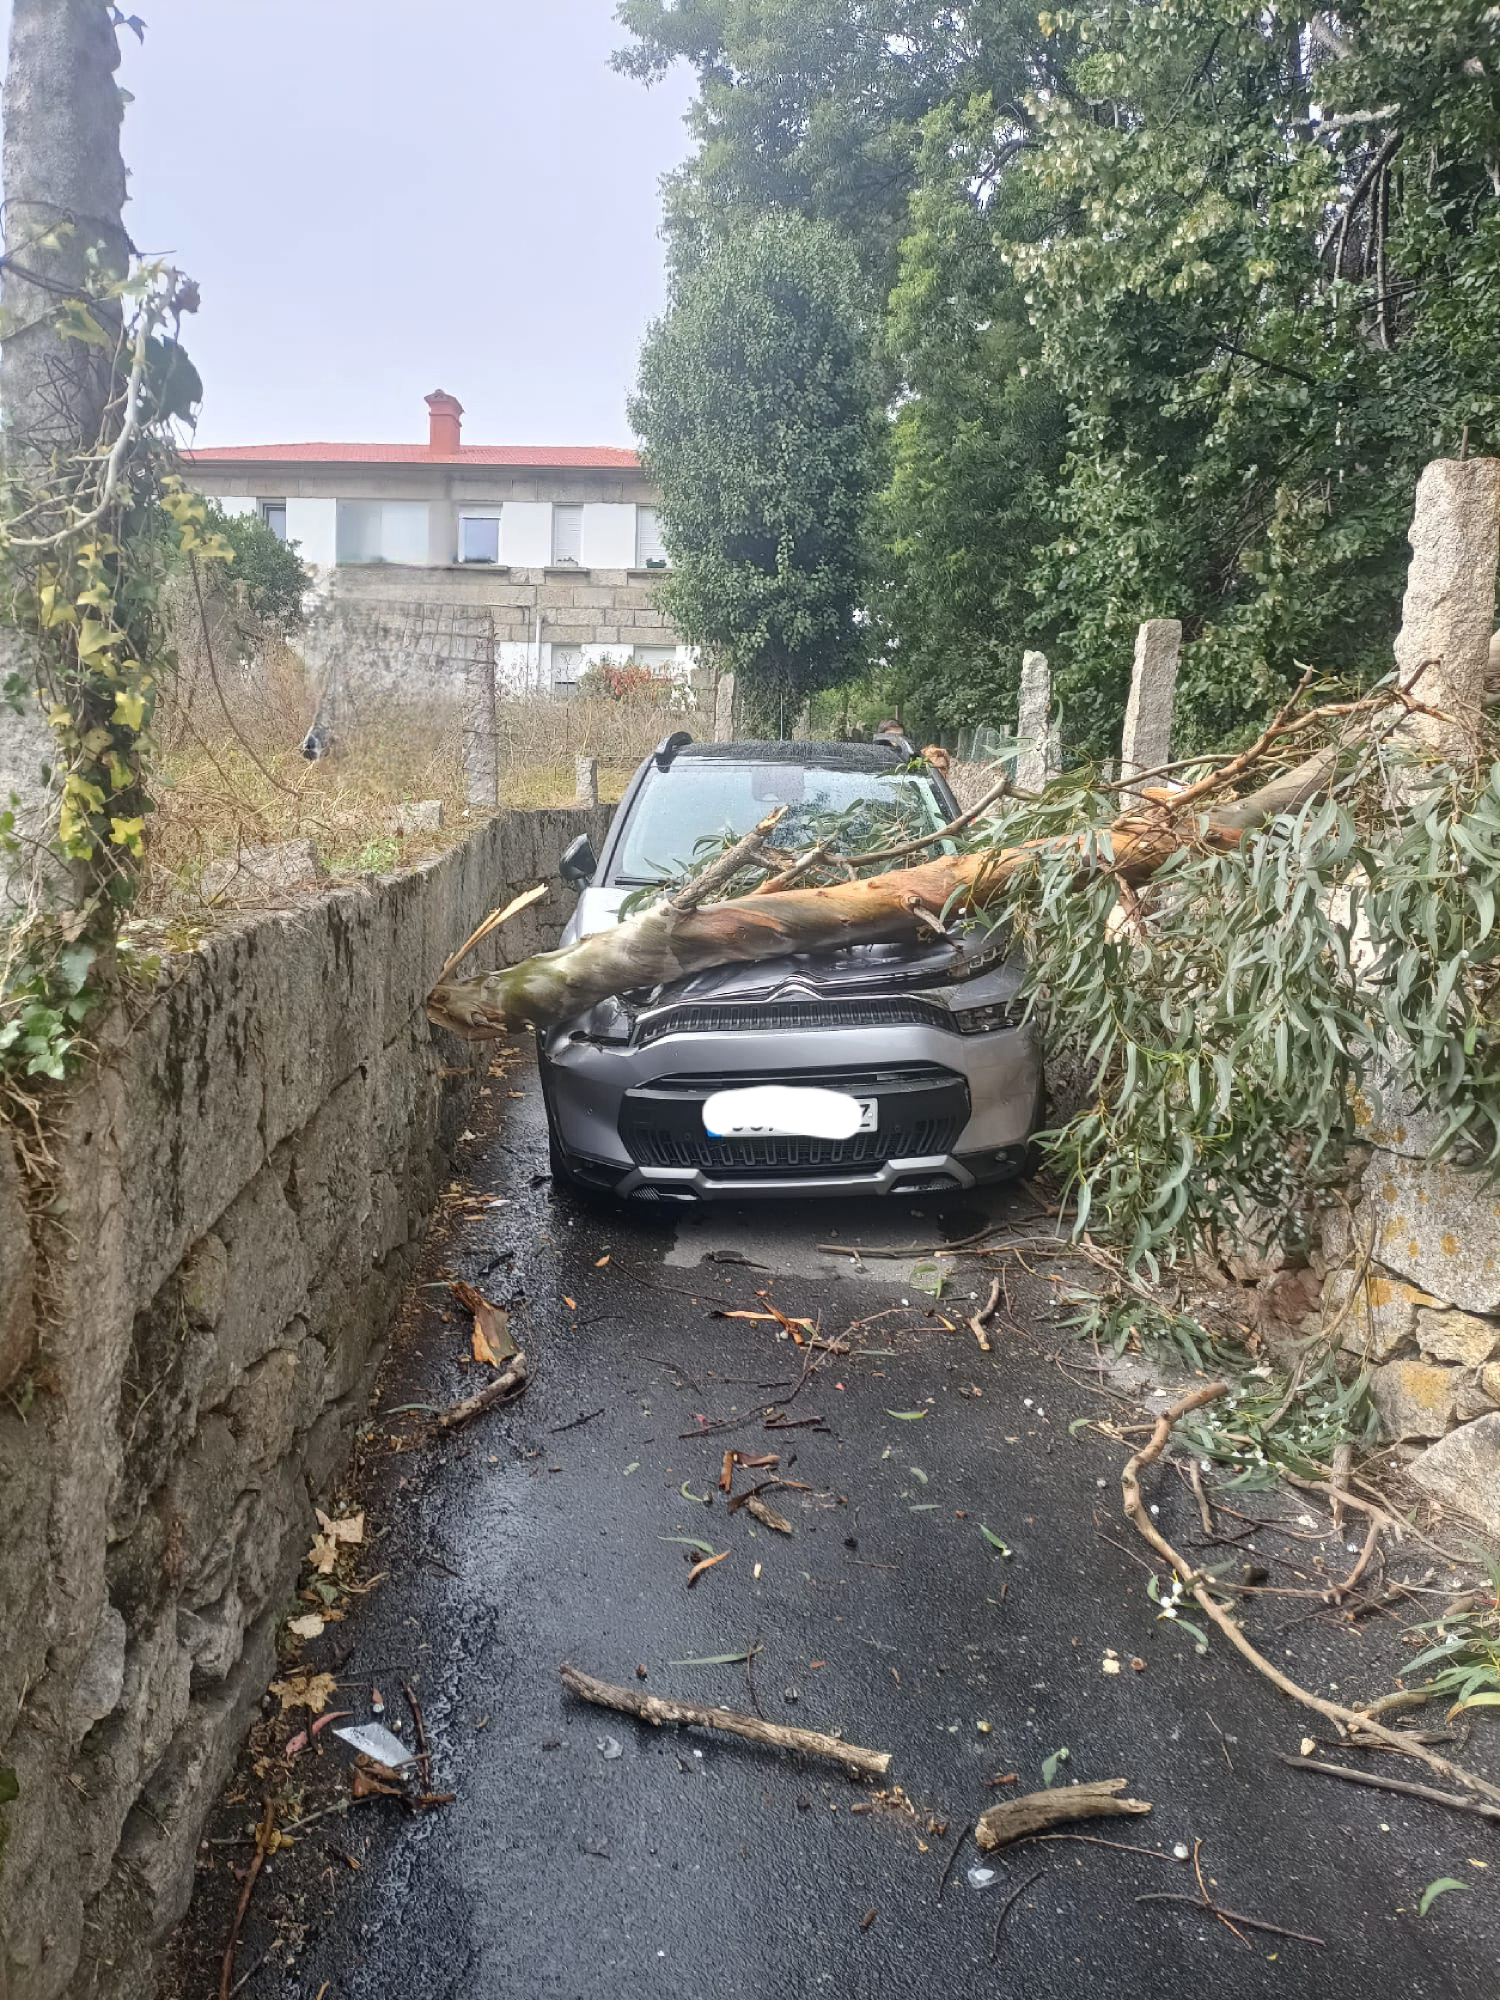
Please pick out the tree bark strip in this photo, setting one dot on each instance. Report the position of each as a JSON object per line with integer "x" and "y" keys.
{"x": 1038, "y": 1811}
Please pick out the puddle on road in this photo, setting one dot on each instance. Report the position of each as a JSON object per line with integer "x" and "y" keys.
{"x": 783, "y": 1239}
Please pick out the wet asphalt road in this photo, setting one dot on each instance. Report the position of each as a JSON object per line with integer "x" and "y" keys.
{"x": 690, "y": 1866}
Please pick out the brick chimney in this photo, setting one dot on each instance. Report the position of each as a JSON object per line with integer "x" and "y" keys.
{"x": 444, "y": 421}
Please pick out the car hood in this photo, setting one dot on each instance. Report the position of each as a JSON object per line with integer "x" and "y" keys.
{"x": 860, "y": 968}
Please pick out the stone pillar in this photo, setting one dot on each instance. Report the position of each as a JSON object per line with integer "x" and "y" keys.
{"x": 724, "y": 709}
{"x": 1147, "y": 740}
{"x": 481, "y": 735}
{"x": 1449, "y": 610}
{"x": 1038, "y": 760}
{"x": 586, "y": 781}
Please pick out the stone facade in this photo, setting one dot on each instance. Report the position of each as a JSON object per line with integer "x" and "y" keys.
{"x": 1414, "y": 1291}
{"x": 190, "y": 1325}
{"x": 595, "y": 611}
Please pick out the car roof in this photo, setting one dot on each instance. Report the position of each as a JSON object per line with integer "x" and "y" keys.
{"x": 825, "y": 756}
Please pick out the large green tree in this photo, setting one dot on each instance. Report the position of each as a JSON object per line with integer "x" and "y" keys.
{"x": 1180, "y": 296}
{"x": 759, "y": 416}
{"x": 1269, "y": 296}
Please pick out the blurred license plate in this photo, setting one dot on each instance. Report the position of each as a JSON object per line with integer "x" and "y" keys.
{"x": 785, "y": 1111}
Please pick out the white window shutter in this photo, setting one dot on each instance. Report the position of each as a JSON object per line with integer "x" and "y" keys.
{"x": 649, "y": 546}
{"x": 567, "y": 533}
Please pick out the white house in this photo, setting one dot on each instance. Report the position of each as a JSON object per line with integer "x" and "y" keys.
{"x": 559, "y": 544}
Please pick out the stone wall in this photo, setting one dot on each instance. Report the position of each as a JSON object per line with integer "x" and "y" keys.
{"x": 190, "y": 1325}
{"x": 1414, "y": 1289}
{"x": 577, "y": 607}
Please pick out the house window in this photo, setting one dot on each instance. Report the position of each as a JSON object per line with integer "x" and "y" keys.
{"x": 479, "y": 536}
{"x": 567, "y": 666}
{"x": 382, "y": 531}
{"x": 660, "y": 659}
{"x": 273, "y": 515}
{"x": 567, "y": 534}
{"x": 650, "y": 549}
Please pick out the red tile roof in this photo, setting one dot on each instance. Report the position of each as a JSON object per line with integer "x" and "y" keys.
{"x": 580, "y": 457}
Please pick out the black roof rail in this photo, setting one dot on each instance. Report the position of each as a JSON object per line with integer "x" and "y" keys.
{"x": 900, "y": 746}
{"x": 668, "y": 748}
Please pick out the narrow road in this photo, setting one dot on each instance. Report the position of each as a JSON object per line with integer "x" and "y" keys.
{"x": 586, "y": 1855}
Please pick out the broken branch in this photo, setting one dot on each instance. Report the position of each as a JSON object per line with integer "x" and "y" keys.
{"x": 265, "y": 1838}
{"x": 657, "y": 1710}
{"x": 1402, "y": 1785}
{"x": 504, "y": 1389}
{"x": 1348, "y": 1720}
{"x": 978, "y": 1322}
{"x": 719, "y": 874}
{"x": 1230, "y": 1917}
{"x": 1018, "y": 1819}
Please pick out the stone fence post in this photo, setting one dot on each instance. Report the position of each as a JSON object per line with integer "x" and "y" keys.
{"x": 1038, "y": 761}
{"x": 1449, "y": 611}
{"x": 586, "y": 781}
{"x": 724, "y": 709}
{"x": 481, "y": 735}
{"x": 1146, "y": 743}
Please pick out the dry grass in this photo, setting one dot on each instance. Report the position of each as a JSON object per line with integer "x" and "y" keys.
{"x": 230, "y": 774}
{"x": 539, "y": 732}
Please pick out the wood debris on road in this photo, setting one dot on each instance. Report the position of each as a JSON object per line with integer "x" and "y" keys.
{"x": 1018, "y": 1818}
{"x": 657, "y": 1710}
{"x": 504, "y": 1389}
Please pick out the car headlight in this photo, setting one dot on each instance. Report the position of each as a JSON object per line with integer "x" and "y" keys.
{"x": 985, "y": 1018}
{"x": 610, "y": 1021}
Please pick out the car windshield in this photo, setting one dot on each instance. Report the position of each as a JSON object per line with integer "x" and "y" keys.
{"x": 857, "y": 810}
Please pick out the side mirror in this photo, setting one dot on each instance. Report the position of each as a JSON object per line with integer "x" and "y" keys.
{"x": 579, "y": 863}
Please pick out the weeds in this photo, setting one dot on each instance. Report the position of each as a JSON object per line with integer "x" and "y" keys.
{"x": 1467, "y": 1643}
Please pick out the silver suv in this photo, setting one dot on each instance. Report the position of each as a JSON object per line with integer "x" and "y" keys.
{"x": 925, "y": 1036}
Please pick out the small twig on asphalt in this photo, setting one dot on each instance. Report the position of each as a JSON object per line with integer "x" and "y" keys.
{"x": 1341, "y": 1590}
{"x": 1096, "y": 1840}
{"x": 948, "y": 1864}
{"x": 750, "y": 1676}
{"x": 676, "y": 1368}
{"x": 1222, "y": 1744}
{"x": 978, "y": 1321}
{"x": 1208, "y": 1901}
{"x": 1195, "y": 1480}
{"x": 1231, "y": 1917}
{"x": 509, "y": 1384}
{"x": 574, "y": 1422}
{"x": 1402, "y": 1785}
{"x": 424, "y": 1755}
{"x": 245, "y": 1977}
{"x": 1011, "y": 1900}
{"x": 931, "y": 1249}
{"x": 265, "y": 1833}
{"x": 657, "y": 1709}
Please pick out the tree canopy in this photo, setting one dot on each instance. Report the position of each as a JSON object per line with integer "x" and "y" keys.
{"x": 759, "y": 414}
{"x": 1176, "y": 300}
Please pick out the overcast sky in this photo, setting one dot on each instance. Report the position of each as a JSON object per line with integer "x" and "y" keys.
{"x": 384, "y": 197}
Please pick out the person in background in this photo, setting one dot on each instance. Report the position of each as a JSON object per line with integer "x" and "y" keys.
{"x": 938, "y": 758}
{"x": 889, "y": 729}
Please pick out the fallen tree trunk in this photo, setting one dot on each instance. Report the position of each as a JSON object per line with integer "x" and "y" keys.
{"x": 670, "y": 942}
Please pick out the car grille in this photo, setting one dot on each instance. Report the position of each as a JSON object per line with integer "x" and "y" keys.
{"x": 922, "y": 1110}
{"x": 736, "y": 1018}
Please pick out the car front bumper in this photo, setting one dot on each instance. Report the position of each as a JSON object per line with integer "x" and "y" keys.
{"x": 954, "y": 1110}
